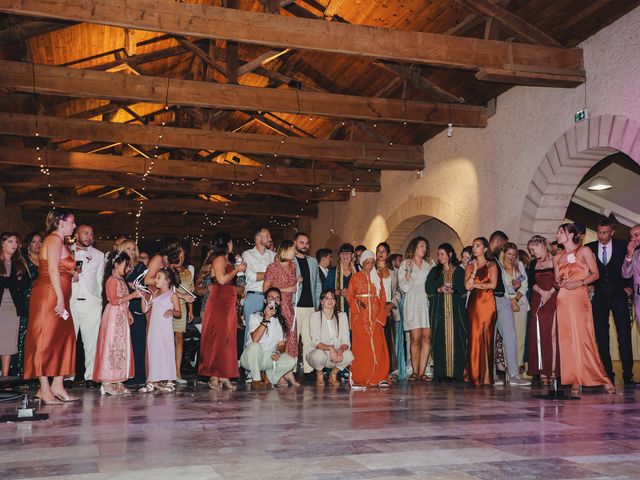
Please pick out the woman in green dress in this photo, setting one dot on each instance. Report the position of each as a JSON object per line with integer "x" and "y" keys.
{"x": 32, "y": 244}
{"x": 445, "y": 288}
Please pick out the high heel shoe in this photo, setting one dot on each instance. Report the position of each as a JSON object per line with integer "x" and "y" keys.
{"x": 65, "y": 397}
{"x": 214, "y": 384}
{"x": 107, "y": 390}
{"x": 609, "y": 389}
{"x": 576, "y": 390}
{"x": 226, "y": 383}
{"x": 43, "y": 400}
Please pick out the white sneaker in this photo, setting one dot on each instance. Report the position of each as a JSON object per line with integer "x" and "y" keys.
{"x": 181, "y": 381}
{"x": 519, "y": 381}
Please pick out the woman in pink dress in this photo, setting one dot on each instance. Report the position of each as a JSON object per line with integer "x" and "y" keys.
{"x": 580, "y": 362}
{"x": 161, "y": 349}
{"x": 114, "y": 353}
{"x": 282, "y": 274}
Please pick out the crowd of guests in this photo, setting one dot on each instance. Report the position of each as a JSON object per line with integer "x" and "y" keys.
{"x": 372, "y": 319}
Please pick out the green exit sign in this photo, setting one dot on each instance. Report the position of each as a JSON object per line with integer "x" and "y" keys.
{"x": 581, "y": 115}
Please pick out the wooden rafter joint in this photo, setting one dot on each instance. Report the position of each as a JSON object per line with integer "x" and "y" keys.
{"x": 279, "y": 31}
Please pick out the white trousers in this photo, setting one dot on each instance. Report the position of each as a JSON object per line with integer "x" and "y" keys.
{"x": 303, "y": 315}
{"x": 86, "y": 319}
{"x": 319, "y": 359}
{"x": 257, "y": 360}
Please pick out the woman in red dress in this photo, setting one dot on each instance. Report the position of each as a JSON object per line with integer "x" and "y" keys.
{"x": 367, "y": 304}
{"x": 50, "y": 346}
{"x": 218, "y": 347}
{"x": 282, "y": 274}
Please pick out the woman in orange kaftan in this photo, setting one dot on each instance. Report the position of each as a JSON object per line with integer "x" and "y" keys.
{"x": 368, "y": 317}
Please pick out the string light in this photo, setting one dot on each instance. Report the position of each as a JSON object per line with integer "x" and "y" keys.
{"x": 41, "y": 152}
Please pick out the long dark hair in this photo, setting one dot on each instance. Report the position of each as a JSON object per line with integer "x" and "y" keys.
{"x": 18, "y": 263}
{"x": 278, "y": 314}
{"x": 451, "y": 253}
{"x": 413, "y": 244}
{"x": 387, "y": 249}
{"x": 54, "y": 217}
{"x": 220, "y": 244}
{"x": 115, "y": 258}
{"x": 171, "y": 248}
{"x": 170, "y": 275}
{"x": 572, "y": 230}
{"x": 27, "y": 241}
{"x": 336, "y": 312}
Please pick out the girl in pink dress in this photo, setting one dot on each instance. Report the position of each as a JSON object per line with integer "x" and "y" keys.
{"x": 161, "y": 353}
{"x": 282, "y": 274}
{"x": 114, "y": 352}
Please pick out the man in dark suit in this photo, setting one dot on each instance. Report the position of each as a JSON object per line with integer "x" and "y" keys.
{"x": 323, "y": 256}
{"x": 611, "y": 293}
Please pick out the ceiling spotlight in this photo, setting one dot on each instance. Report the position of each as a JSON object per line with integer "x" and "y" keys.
{"x": 599, "y": 183}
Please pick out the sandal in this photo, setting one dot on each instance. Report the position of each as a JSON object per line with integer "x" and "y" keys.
{"x": 576, "y": 390}
{"x": 214, "y": 384}
{"x": 426, "y": 378}
{"x": 413, "y": 377}
{"x": 609, "y": 389}
{"x": 148, "y": 388}
{"x": 226, "y": 383}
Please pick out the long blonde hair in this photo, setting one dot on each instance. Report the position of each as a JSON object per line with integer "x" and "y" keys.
{"x": 124, "y": 241}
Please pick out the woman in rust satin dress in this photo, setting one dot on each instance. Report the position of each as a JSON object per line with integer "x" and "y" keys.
{"x": 367, "y": 306}
{"x": 50, "y": 346}
{"x": 481, "y": 277}
{"x": 580, "y": 362}
{"x": 218, "y": 347}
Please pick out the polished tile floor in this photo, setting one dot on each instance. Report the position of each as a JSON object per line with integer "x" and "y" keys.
{"x": 440, "y": 431}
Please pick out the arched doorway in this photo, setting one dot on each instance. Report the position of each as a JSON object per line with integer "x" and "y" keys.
{"x": 564, "y": 165}
{"x": 434, "y": 218}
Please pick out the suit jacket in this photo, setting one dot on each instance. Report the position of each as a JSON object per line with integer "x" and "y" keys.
{"x": 631, "y": 270}
{"x": 89, "y": 284}
{"x": 16, "y": 287}
{"x": 611, "y": 281}
{"x": 314, "y": 275}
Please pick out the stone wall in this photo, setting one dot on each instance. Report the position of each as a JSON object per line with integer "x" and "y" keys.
{"x": 480, "y": 180}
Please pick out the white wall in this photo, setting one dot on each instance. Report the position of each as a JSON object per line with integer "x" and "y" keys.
{"x": 476, "y": 181}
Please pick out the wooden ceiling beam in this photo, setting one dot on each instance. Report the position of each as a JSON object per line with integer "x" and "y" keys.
{"x": 512, "y": 23}
{"x": 162, "y": 205}
{"x": 368, "y": 181}
{"x": 196, "y": 20}
{"x": 33, "y": 179}
{"x": 359, "y": 154}
{"x": 132, "y": 88}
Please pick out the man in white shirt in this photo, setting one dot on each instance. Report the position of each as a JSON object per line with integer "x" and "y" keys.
{"x": 264, "y": 352}
{"x": 86, "y": 295}
{"x": 257, "y": 259}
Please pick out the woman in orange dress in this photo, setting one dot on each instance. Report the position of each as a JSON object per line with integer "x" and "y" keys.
{"x": 50, "y": 346}
{"x": 367, "y": 304}
{"x": 580, "y": 362}
{"x": 481, "y": 277}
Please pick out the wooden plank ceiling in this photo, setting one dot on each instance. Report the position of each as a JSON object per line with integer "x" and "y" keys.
{"x": 253, "y": 111}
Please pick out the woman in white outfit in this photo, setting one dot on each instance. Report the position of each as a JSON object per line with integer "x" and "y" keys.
{"x": 412, "y": 277}
{"x": 329, "y": 332}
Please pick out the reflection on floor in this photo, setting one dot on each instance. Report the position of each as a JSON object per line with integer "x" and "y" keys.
{"x": 438, "y": 431}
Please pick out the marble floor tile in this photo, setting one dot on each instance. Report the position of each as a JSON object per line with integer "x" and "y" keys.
{"x": 441, "y": 432}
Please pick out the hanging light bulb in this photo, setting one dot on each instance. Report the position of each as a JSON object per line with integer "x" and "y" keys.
{"x": 353, "y": 192}
{"x": 450, "y": 129}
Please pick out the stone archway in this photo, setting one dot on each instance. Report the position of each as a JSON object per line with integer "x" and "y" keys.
{"x": 564, "y": 165}
{"x": 416, "y": 211}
